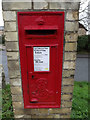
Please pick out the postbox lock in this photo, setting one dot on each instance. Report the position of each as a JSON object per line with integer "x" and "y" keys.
{"x": 33, "y": 76}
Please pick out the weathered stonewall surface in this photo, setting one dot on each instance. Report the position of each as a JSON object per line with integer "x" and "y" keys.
{"x": 11, "y": 35}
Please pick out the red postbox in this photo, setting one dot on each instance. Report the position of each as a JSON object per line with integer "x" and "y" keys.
{"x": 41, "y": 35}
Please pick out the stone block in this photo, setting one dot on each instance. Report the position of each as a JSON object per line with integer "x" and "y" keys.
{"x": 16, "y": 90}
{"x": 67, "y": 89}
{"x": 18, "y": 116}
{"x": 57, "y": 116}
{"x": 11, "y": 36}
{"x": 64, "y": 5}
{"x": 58, "y": 110}
{"x": 15, "y": 82}
{"x": 42, "y": 116}
{"x": 17, "y": 105}
{"x": 71, "y": 37}
{"x": 66, "y": 104}
{"x": 65, "y": 116}
{"x": 18, "y": 111}
{"x": 69, "y": 65}
{"x": 27, "y": 116}
{"x": 10, "y": 26}
{"x": 68, "y": 81}
{"x": 22, "y": 117}
{"x": 13, "y": 55}
{"x": 66, "y": 97}
{"x": 14, "y": 74}
{"x": 16, "y": 5}
{"x": 17, "y": 98}
{"x": 12, "y": 46}
{"x": 71, "y": 46}
{"x": 43, "y": 111}
{"x": 71, "y": 26}
{"x": 32, "y": 112}
{"x": 72, "y": 15}
{"x": 70, "y": 56}
{"x": 13, "y": 65}
{"x": 42, "y": 4}
{"x": 68, "y": 73}
{"x": 9, "y": 16}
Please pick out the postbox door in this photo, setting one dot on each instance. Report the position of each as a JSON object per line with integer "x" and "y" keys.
{"x": 44, "y": 88}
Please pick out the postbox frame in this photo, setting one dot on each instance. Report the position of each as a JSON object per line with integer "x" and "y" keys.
{"x": 25, "y": 86}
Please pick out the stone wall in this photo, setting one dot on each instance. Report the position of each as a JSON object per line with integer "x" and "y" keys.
{"x": 11, "y": 36}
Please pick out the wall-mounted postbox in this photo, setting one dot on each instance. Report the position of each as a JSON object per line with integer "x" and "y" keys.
{"x": 41, "y": 37}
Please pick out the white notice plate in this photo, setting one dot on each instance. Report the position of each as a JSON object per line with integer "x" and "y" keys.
{"x": 41, "y": 58}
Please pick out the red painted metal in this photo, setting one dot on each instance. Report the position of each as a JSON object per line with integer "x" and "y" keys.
{"x": 41, "y": 89}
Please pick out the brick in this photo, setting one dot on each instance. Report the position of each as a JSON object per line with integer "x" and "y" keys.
{"x": 71, "y": 37}
{"x": 26, "y": 112}
{"x": 18, "y": 112}
{"x": 56, "y": 116}
{"x": 11, "y": 36}
{"x": 68, "y": 73}
{"x": 68, "y": 81}
{"x": 66, "y": 116}
{"x": 69, "y": 65}
{"x": 19, "y": 116}
{"x": 72, "y": 15}
{"x": 37, "y": 112}
{"x": 60, "y": 111}
{"x": 16, "y": 5}
{"x": 70, "y": 56}
{"x": 16, "y": 90}
{"x": 13, "y": 65}
{"x": 12, "y": 46}
{"x": 71, "y": 26}
{"x": 15, "y": 82}
{"x": 67, "y": 89}
{"x": 42, "y": 116}
{"x": 27, "y": 116}
{"x": 9, "y": 15}
{"x": 64, "y": 5}
{"x": 66, "y": 104}
{"x": 17, "y": 98}
{"x": 66, "y": 97}
{"x": 46, "y": 116}
{"x": 14, "y": 74}
{"x": 13, "y": 55}
{"x": 43, "y": 111}
{"x": 70, "y": 46}
{"x": 40, "y": 5}
{"x": 10, "y": 26}
{"x": 31, "y": 111}
{"x": 17, "y": 105}
{"x": 34, "y": 111}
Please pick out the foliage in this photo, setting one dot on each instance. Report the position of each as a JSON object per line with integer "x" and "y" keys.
{"x": 7, "y": 109}
{"x": 83, "y": 43}
{"x": 2, "y": 39}
{"x": 80, "y": 101}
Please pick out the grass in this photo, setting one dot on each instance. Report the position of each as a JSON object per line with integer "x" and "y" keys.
{"x": 79, "y": 105}
{"x": 7, "y": 109}
{"x": 80, "y": 100}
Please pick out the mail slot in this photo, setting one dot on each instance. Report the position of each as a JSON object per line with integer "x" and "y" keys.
{"x": 41, "y": 36}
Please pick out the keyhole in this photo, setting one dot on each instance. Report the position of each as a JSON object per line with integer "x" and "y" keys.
{"x": 32, "y": 76}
